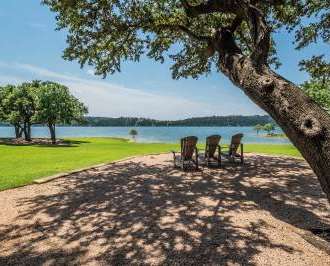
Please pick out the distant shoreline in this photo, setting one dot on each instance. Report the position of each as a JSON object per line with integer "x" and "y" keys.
{"x": 207, "y": 121}
{"x": 275, "y": 135}
{"x": 59, "y": 126}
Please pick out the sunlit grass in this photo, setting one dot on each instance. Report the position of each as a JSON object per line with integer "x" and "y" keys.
{"x": 20, "y": 165}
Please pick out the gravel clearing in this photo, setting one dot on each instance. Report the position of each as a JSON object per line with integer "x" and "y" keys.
{"x": 142, "y": 211}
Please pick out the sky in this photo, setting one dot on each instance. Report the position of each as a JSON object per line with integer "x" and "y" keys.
{"x": 30, "y": 48}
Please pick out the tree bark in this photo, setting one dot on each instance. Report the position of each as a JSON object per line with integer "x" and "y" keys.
{"x": 52, "y": 132}
{"x": 305, "y": 123}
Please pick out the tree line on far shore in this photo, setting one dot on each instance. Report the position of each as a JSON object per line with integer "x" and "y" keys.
{"x": 232, "y": 120}
{"x": 38, "y": 102}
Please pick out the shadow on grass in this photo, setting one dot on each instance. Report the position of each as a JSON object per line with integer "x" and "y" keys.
{"x": 44, "y": 143}
{"x": 134, "y": 213}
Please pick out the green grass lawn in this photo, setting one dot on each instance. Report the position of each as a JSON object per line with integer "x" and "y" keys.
{"x": 21, "y": 164}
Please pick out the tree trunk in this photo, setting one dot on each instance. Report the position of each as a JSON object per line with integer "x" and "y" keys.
{"x": 52, "y": 133}
{"x": 305, "y": 123}
{"x": 27, "y": 131}
{"x": 18, "y": 131}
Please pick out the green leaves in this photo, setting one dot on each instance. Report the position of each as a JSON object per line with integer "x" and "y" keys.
{"x": 317, "y": 67}
{"x": 104, "y": 33}
{"x": 55, "y": 104}
{"x": 17, "y": 104}
{"x": 269, "y": 128}
{"x": 319, "y": 91}
{"x": 39, "y": 102}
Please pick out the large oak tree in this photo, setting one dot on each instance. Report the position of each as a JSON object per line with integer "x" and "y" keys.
{"x": 230, "y": 36}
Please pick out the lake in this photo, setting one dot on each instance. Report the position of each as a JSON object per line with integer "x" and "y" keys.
{"x": 153, "y": 134}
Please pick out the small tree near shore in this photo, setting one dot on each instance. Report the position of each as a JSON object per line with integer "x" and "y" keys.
{"x": 55, "y": 105}
{"x": 258, "y": 128}
{"x": 133, "y": 133}
{"x": 269, "y": 128}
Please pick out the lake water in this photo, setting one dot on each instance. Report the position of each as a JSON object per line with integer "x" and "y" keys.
{"x": 153, "y": 134}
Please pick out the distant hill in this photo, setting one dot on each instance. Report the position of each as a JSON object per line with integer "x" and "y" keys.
{"x": 210, "y": 121}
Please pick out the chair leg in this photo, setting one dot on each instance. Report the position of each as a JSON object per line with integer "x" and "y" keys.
{"x": 219, "y": 160}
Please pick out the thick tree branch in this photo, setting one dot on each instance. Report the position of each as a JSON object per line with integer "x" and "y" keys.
{"x": 150, "y": 24}
{"x": 260, "y": 34}
{"x": 244, "y": 10}
{"x": 236, "y": 23}
{"x": 186, "y": 30}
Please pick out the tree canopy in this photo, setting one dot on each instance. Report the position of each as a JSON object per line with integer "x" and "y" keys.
{"x": 8, "y": 108}
{"x": 105, "y": 33}
{"x": 38, "y": 102}
{"x": 17, "y": 107}
{"x": 318, "y": 87}
{"x": 258, "y": 128}
{"x": 55, "y": 104}
{"x": 269, "y": 128}
{"x": 319, "y": 91}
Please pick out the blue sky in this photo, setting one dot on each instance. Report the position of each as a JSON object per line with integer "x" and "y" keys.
{"x": 30, "y": 49}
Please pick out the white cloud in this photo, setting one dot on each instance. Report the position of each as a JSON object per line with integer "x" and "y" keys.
{"x": 107, "y": 99}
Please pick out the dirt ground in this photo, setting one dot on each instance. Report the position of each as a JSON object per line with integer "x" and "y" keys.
{"x": 142, "y": 211}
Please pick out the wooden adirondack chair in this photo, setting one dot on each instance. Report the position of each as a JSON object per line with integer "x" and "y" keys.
{"x": 235, "y": 149}
{"x": 211, "y": 146}
{"x": 186, "y": 156}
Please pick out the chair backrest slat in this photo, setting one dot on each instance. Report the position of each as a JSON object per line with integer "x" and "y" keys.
{"x": 235, "y": 143}
{"x": 212, "y": 143}
{"x": 188, "y": 145}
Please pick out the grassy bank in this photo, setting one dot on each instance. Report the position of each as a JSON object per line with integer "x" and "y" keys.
{"x": 21, "y": 164}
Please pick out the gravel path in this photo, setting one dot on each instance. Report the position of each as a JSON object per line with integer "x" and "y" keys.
{"x": 142, "y": 211}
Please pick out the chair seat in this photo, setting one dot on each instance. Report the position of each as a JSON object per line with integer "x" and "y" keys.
{"x": 209, "y": 160}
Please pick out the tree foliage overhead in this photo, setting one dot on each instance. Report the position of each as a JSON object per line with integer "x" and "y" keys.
{"x": 318, "y": 87}
{"x": 319, "y": 90}
{"x": 104, "y": 33}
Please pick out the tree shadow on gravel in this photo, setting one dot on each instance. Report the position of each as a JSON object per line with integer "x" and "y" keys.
{"x": 132, "y": 213}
